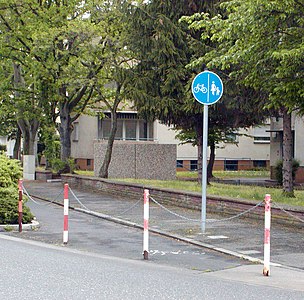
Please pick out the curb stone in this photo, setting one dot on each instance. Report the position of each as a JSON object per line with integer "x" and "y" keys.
{"x": 15, "y": 227}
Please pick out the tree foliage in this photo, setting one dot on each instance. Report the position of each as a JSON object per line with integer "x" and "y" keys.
{"x": 166, "y": 48}
{"x": 260, "y": 43}
{"x": 69, "y": 55}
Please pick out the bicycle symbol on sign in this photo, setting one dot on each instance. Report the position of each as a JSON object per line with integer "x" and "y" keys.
{"x": 200, "y": 88}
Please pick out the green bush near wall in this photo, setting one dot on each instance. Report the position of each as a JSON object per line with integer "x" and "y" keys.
{"x": 10, "y": 173}
{"x": 3, "y": 148}
{"x": 279, "y": 167}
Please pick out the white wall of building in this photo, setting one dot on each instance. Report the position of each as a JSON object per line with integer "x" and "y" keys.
{"x": 83, "y": 136}
{"x": 246, "y": 147}
{"x": 299, "y": 140}
{"x": 166, "y": 135}
{"x": 9, "y": 145}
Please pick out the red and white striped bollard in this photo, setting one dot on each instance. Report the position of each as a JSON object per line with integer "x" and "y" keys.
{"x": 66, "y": 214}
{"x": 146, "y": 224}
{"x": 266, "y": 268}
{"x": 20, "y": 211}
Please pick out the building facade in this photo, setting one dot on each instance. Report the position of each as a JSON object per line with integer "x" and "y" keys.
{"x": 249, "y": 149}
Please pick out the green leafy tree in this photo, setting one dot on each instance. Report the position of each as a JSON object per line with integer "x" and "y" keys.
{"x": 113, "y": 79}
{"x": 260, "y": 43}
{"x": 54, "y": 58}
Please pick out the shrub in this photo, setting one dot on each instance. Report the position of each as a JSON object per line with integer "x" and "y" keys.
{"x": 10, "y": 172}
{"x": 2, "y": 148}
{"x": 9, "y": 208}
{"x": 279, "y": 167}
{"x": 59, "y": 165}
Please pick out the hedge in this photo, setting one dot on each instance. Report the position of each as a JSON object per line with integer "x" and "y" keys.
{"x": 10, "y": 173}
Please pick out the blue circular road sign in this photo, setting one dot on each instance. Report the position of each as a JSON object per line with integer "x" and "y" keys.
{"x": 207, "y": 88}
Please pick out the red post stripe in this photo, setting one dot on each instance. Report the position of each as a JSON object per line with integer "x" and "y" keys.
{"x": 65, "y": 223}
{"x": 267, "y": 236}
{"x": 146, "y": 224}
{"x": 66, "y": 191}
{"x": 267, "y": 202}
{"x": 20, "y": 206}
{"x": 20, "y": 185}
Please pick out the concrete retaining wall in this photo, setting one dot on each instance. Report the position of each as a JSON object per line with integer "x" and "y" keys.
{"x": 215, "y": 204}
{"x": 43, "y": 175}
{"x": 138, "y": 160}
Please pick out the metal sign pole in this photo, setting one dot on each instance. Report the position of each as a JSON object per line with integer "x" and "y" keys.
{"x": 207, "y": 89}
{"x": 204, "y": 168}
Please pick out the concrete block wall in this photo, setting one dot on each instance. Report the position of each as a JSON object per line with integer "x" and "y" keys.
{"x": 29, "y": 167}
{"x": 138, "y": 160}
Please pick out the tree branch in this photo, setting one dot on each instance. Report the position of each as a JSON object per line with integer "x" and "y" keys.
{"x": 83, "y": 105}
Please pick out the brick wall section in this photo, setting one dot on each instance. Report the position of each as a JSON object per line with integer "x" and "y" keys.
{"x": 215, "y": 204}
{"x": 300, "y": 175}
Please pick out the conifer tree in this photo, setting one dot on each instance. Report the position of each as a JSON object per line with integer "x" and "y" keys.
{"x": 165, "y": 48}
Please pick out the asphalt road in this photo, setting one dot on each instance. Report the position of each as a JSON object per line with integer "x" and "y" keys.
{"x": 241, "y": 236}
{"x": 35, "y": 270}
{"x": 95, "y": 237}
{"x": 91, "y": 234}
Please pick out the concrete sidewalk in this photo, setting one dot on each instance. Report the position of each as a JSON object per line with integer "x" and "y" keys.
{"x": 240, "y": 238}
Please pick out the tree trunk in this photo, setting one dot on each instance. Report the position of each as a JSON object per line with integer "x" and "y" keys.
{"x": 211, "y": 161}
{"x": 104, "y": 170}
{"x": 287, "y": 154}
{"x": 199, "y": 136}
{"x": 29, "y": 132}
{"x": 28, "y": 128}
{"x": 65, "y": 131}
{"x": 17, "y": 146}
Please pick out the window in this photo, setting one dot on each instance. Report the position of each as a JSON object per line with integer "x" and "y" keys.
{"x": 259, "y": 163}
{"x": 89, "y": 162}
{"x": 145, "y": 130}
{"x": 128, "y": 128}
{"x": 179, "y": 163}
{"x": 193, "y": 165}
{"x": 231, "y": 165}
{"x": 262, "y": 139}
{"x": 119, "y": 134}
{"x": 261, "y": 134}
{"x": 105, "y": 128}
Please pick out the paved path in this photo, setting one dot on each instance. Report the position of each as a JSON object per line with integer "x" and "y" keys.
{"x": 240, "y": 237}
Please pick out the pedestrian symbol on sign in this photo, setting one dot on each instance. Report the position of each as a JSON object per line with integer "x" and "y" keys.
{"x": 215, "y": 89}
